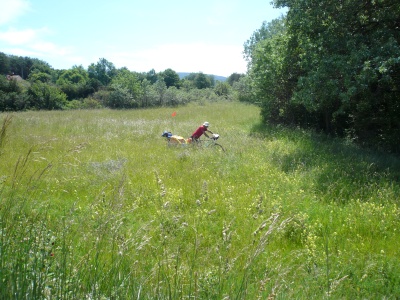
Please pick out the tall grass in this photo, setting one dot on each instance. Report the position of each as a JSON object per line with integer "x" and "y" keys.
{"x": 94, "y": 205}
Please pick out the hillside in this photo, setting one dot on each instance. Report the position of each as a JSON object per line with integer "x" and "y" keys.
{"x": 216, "y": 77}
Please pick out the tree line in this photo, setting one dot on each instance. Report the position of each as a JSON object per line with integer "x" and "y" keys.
{"x": 29, "y": 83}
{"x": 330, "y": 65}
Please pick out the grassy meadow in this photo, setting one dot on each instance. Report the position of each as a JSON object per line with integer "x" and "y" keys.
{"x": 95, "y": 205}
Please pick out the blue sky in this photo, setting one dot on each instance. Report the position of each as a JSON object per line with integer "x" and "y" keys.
{"x": 187, "y": 36}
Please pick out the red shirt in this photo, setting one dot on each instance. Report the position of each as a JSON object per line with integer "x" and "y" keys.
{"x": 199, "y": 131}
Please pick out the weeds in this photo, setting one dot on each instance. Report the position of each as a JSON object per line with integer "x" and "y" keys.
{"x": 94, "y": 206}
{"x": 3, "y": 130}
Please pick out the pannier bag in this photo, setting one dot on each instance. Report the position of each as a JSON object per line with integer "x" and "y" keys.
{"x": 175, "y": 139}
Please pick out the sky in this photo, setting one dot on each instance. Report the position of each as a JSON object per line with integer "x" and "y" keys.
{"x": 187, "y": 36}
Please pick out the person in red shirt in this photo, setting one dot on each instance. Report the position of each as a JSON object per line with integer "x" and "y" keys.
{"x": 200, "y": 131}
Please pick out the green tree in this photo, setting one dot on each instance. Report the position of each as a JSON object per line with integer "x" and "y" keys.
{"x": 103, "y": 71}
{"x": 186, "y": 84}
{"x": 129, "y": 81}
{"x": 46, "y": 96}
{"x": 171, "y": 78}
{"x": 331, "y": 65}
{"x": 12, "y": 96}
{"x": 39, "y": 76}
{"x": 222, "y": 89}
{"x": 75, "y": 83}
{"x": 152, "y": 76}
{"x": 161, "y": 89}
{"x": 120, "y": 97}
{"x": 149, "y": 96}
{"x": 202, "y": 81}
{"x": 234, "y": 77}
{"x": 268, "y": 70}
{"x": 243, "y": 90}
{"x": 40, "y": 66}
{"x": 4, "y": 64}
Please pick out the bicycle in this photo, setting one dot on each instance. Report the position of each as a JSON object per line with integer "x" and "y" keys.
{"x": 211, "y": 142}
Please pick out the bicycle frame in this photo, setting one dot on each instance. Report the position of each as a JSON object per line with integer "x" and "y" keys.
{"x": 208, "y": 143}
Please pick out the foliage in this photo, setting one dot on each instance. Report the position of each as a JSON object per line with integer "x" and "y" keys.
{"x": 40, "y": 76}
{"x": 152, "y": 76}
{"x": 243, "y": 90}
{"x": 160, "y": 88}
{"x": 201, "y": 80}
{"x": 335, "y": 68}
{"x": 120, "y": 97}
{"x": 103, "y": 71}
{"x": 94, "y": 205}
{"x": 128, "y": 80}
{"x": 234, "y": 77}
{"x": 222, "y": 89}
{"x": 46, "y": 96}
{"x": 148, "y": 95}
{"x": 11, "y": 96}
{"x": 75, "y": 83}
{"x": 102, "y": 85}
{"x": 171, "y": 78}
{"x": 173, "y": 97}
{"x": 12, "y": 64}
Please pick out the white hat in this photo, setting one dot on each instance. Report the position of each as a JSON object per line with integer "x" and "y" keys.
{"x": 206, "y": 124}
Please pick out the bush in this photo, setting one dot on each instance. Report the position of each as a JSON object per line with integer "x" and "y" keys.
{"x": 45, "y": 96}
{"x": 121, "y": 98}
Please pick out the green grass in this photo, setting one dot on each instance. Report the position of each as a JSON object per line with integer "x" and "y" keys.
{"x": 94, "y": 205}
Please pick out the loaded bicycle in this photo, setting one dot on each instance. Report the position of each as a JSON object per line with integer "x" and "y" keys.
{"x": 209, "y": 143}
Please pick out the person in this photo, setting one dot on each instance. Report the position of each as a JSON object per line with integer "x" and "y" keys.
{"x": 200, "y": 131}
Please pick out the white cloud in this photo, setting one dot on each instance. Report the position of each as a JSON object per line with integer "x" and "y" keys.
{"x": 26, "y": 42}
{"x": 32, "y": 43}
{"x": 210, "y": 59}
{"x": 12, "y": 9}
{"x": 51, "y": 49}
{"x": 21, "y": 37}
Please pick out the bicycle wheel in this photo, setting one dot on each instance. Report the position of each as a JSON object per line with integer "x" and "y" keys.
{"x": 218, "y": 147}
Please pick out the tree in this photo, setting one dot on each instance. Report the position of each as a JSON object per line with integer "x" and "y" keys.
{"x": 186, "y": 84}
{"x": 171, "y": 78}
{"x": 202, "y": 81}
{"x": 243, "y": 90}
{"x": 4, "y": 64}
{"x": 127, "y": 80}
{"x": 152, "y": 76}
{"x": 39, "y": 76}
{"x": 46, "y": 96}
{"x": 40, "y": 66}
{"x": 75, "y": 83}
{"x": 268, "y": 70}
{"x": 20, "y": 65}
{"x": 103, "y": 71}
{"x": 149, "y": 95}
{"x": 160, "y": 88}
{"x": 234, "y": 77}
{"x": 335, "y": 68}
{"x": 172, "y": 97}
{"x": 222, "y": 89}
{"x": 12, "y": 96}
{"x": 120, "y": 97}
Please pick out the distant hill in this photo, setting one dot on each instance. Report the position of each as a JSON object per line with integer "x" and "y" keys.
{"x": 216, "y": 77}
